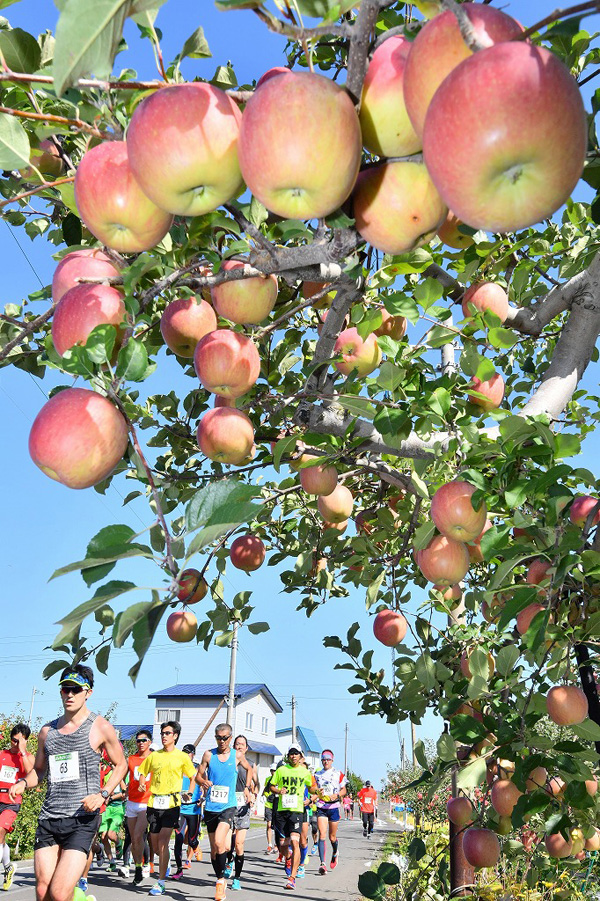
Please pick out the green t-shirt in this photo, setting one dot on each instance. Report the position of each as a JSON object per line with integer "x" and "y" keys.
{"x": 293, "y": 779}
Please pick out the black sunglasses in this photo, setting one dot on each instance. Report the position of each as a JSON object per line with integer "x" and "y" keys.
{"x": 167, "y": 733}
{"x": 71, "y": 689}
{"x": 221, "y": 737}
{"x": 145, "y": 739}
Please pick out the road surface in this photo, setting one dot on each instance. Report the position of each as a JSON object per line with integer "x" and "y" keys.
{"x": 261, "y": 879}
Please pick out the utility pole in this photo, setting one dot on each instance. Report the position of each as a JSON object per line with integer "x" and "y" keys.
{"x": 33, "y": 693}
{"x": 346, "y": 748}
{"x": 293, "y": 720}
{"x": 232, "y": 666}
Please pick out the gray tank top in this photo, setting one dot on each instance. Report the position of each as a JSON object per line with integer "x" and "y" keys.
{"x": 72, "y": 770}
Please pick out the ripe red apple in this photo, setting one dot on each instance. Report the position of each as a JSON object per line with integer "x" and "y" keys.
{"x": 453, "y": 513}
{"x": 474, "y": 547}
{"x": 338, "y": 526}
{"x": 525, "y": 98}
{"x": 537, "y": 778}
{"x": 112, "y": 204}
{"x": 506, "y": 769}
{"x": 225, "y": 435}
{"x": 451, "y": 233}
{"x": 192, "y": 587}
{"x": 386, "y": 128}
{"x": 486, "y": 296}
{"x": 581, "y": 508}
{"x": 591, "y": 786}
{"x": 439, "y": 48}
{"x": 397, "y": 207}
{"x": 389, "y": 627}
{"x": 505, "y": 795}
{"x": 464, "y": 663}
{"x": 537, "y": 572}
{"x": 481, "y": 847}
{"x": 81, "y": 309}
{"x": 78, "y": 437}
{"x": 393, "y": 326}
{"x": 300, "y": 145}
{"x": 309, "y": 289}
{"x": 557, "y": 846}
{"x": 567, "y": 705}
{"x": 186, "y": 321}
{"x": 453, "y": 593}
{"x": 460, "y": 811}
{"x": 46, "y": 159}
{"x": 272, "y": 73}
{"x": 492, "y": 391}
{"x": 556, "y": 786}
{"x": 593, "y": 843}
{"x": 246, "y": 301}
{"x": 182, "y": 625}
{"x": 320, "y": 479}
{"x": 337, "y": 506}
{"x": 182, "y": 143}
{"x": 359, "y": 355}
{"x": 89, "y": 263}
{"x": 444, "y": 561}
{"x": 247, "y": 552}
{"x": 227, "y": 363}
{"x": 526, "y": 617}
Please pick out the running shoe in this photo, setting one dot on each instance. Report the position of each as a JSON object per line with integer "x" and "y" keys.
{"x": 112, "y": 866}
{"x": 168, "y": 873}
{"x": 301, "y": 871}
{"x": 198, "y": 854}
{"x": 158, "y": 889}
{"x": 123, "y": 871}
{"x": 269, "y": 849}
{"x": 322, "y": 870}
{"x": 291, "y": 883}
{"x": 280, "y": 859}
{"x": 228, "y": 871}
{"x": 178, "y": 874}
{"x": 146, "y": 870}
{"x": 187, "y": 864}
{"x": 364, "y": 832}
{"x": 288, "y": 866}
{"x": 151, "y": 865}
{"x": 83, "y": 884}
{"x": 236, "y": 885}
{"x": 220, "y": 888}
{"x": 369, "y": 835}
{"x": 138, "y": 876}
{"x": 334, "y": 862}
{"x": 313, "y": 851}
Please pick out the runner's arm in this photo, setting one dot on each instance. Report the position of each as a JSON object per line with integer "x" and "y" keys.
{"x": 112, "y": 745}
{"x": 201, "y": 771}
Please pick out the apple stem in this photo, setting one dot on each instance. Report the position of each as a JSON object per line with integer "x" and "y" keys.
{"x": 464, "y": 23}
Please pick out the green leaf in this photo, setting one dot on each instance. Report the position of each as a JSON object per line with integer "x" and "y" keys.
{"x": 56, "y": 666}
{"x": 143, "y": 633}
{"x": 72, "y": 621}
{"x": 439, "y": 335}
{"x": 472, "y": 774}
{"x": 466, "y": 729}
{"x": 100, "y": 343}
{"x": 134, "y": 550}
{"x": 588, "y": 730}
{"x": 425, "y": 671}
{"x": 109, "y": 537}
{"x": 423, "y": 535}
{"x": 87, "y": 38}
{"x": 420, "y": 755}
{"x": 257, "y": 628}
{"x": 373, "y": 589}
{"x": 394, "y": 425}
{"x": 502, "y": 338}
{"x": 206, "y": 503}
{"x": 506, "y": 659}
{"x": 371, "y": 885}
{"x": 357, "y": 406}
{"x": 102, "y": 658}
{"x": 389, "y": 872}
{"x": 446, "y": 747}
{"x": 132, "y": 362}
{"x": 20, "y": 49}
{"x": 224, "y": 639}
{"x": 440, "y": 401}
{"x": 126, "y": 621}
{"x": 567, "y": 446}
{"x": 196, "y": 46}
{"x": 283, "y": 446}
{"x": 14, "y": 143}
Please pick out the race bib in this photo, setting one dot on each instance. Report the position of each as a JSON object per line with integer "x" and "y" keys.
{"x": 136, "y": 773}
{"x": 8, "y": 774}
{"x": 240, "y": 799}
{"x": 219, "y": 794}
{"x": 288, "y": 802}
{"x": 64, "y": 767}
{"x": 161, "y": 802}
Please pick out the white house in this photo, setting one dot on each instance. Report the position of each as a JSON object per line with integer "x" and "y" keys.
{"x": 254, "y": 716}
{"x": 309, "y": 743}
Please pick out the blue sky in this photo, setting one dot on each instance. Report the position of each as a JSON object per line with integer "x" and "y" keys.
{"x": 45, "y": 525}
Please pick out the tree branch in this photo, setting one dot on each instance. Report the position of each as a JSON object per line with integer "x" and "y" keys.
{"x": 74, "y": 124}
{"x": 360, "y": 42}
{"x": 466, "y": 28}
{"x": 28, "y": 330}
{"x": 43, "y": 187}
{"x": 591, "y": 6}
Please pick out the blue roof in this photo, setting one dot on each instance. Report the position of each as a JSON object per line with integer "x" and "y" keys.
{"x": 306, "y": 737}
{"x": 216, "y": 690}
{"x": 126, "y": 732}
{"x": 260, "y": 747}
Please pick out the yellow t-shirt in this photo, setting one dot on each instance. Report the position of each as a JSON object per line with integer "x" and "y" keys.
{"x": 166, "y": 770}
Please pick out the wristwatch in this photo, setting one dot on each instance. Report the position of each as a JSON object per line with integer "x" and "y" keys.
{"x": 104, "y": 794}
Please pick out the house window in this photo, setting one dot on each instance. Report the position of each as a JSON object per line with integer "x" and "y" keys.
{"x": 249, "y": 718}
{"x": 265, "y": 725}
{"x": 162, "y": 716}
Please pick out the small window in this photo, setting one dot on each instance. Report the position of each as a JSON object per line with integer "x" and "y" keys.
{"x": 162, "y": 716}
{"x": 265, "y": 725}
{"x": 249, "y": 718}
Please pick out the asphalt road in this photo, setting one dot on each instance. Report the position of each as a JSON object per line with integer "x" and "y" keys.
{"x": 262, "y": 878}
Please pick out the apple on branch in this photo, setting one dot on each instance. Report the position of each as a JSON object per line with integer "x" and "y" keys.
{"x": 226, "y": 435}
{"x": 86, "y": 263}
{"x": 185, "y": 322}
{"x": 245, "y": 301}
{"x": 81, "y": 309}
{"x": 227, "y": 363}
{"x": 247, "y": 552}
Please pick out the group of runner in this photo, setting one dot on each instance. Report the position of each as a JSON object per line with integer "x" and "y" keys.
{"x": 93, "y": 792}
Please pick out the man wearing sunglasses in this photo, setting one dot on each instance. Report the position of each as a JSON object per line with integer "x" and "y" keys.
{"x": 165, "y": 769}
{"x": 137, "y": 803}
{"x": 332, "y": 782}
{"x": 15, "y": 763}
{"x": 218, "y": 775}
{"x": 68, "y": 755}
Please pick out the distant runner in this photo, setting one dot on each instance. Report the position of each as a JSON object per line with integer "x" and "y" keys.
{"x": 189, "y": 822}
{"x": 245, "y": 793}
{"x": 367, "y": 799}
{"x": 332, "y": 783}
{"x": 218, "y": 775}
{"x": 68, "y": 754}
{"x": 15, "y": 763}
{"x": 269, "y": 796}
{"x": 137, "y": 804}
{"x": 166, "y": 769}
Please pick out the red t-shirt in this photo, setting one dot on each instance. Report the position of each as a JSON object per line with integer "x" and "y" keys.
{"x": 367, "y": 798}
{"x": 11, "y": 770}
{"x": 134, "y": 793}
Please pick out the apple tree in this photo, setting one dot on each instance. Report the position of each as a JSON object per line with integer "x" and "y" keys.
{"x": 370, "y": 267}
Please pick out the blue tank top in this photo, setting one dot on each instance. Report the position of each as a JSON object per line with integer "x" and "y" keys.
{"x": 223, "y": 775}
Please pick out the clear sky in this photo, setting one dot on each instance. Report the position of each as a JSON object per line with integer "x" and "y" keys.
{"x": 45, "y": 525}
